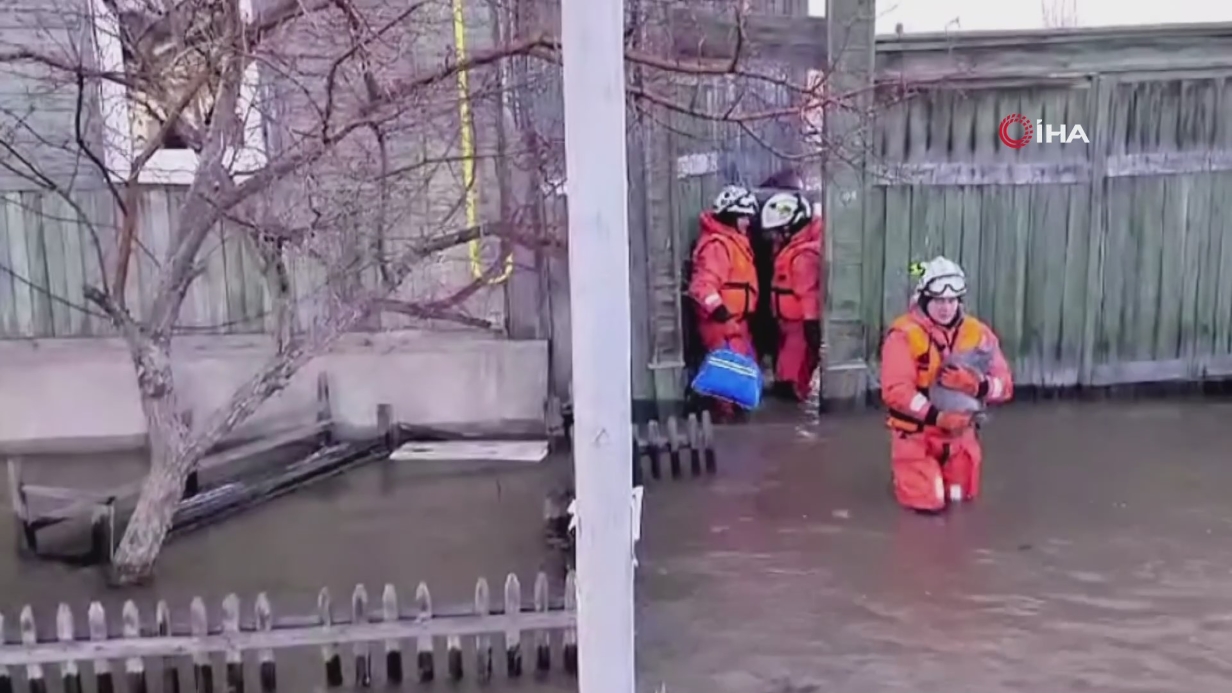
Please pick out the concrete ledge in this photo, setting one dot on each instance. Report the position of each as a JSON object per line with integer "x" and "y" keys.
{"x": 83, "y": 392}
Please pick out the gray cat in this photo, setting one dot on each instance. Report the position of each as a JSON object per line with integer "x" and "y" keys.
{"x": 945, "y": 399}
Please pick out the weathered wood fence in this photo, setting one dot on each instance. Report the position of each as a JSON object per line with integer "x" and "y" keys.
{"x": 50, "y": 248}
{"x": 1099, "y": 263}
{"x": 169, "y": 642}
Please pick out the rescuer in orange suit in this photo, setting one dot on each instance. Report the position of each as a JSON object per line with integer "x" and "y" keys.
{"x": 724, "y": 281}
{"x": 795, "y": 291}
{"x": 935, "y": 455}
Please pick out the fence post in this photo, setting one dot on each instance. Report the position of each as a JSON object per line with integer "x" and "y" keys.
{"x": 543, "y": 642}
{"x": 673, "y": 442}
{"x": 234, "y": 657}
{"x": 329, "y": 651}
{"x": 385, "y": 423}
{"x": 483, "y": 641}
{"x": 693, "y": 430}
{"x": 97, "y": 621}
{"x": 654, "y": 439}
{"x": 571, "y": 635}
{"x": 29, "y": 636}
{"x": 513, "y": 636}
{"x": 393, "y": 647}
{"x": 363, "y": 655}
{"x": 425, "y": 659}
{"x": 65, "y": 632}
{"x": 134, "y": 667}
{"x": 850, "y": 45}
{"x": 199, "y": 626}
{"x": 593, "y": 85}
{"x": 267, "y": 671}
{"x": 171, "y": 672}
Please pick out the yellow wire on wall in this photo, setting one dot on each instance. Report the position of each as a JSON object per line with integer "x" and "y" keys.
{"x": 468, "y": 150}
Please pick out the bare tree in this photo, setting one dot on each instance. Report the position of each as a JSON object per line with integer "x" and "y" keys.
{"x": 356, "y": 106}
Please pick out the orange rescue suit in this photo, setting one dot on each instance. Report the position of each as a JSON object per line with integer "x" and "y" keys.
{"x": 930, "y": 465}
{"x": 723, "y": 275}
{"x": 796, "y": 300}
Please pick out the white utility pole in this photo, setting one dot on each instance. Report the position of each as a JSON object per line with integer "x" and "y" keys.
{"x": 592, "y": 37}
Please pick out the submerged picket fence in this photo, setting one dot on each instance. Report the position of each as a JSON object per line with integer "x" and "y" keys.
{"x": 263, "y": 633}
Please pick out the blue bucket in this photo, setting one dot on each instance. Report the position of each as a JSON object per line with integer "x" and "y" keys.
{"x": 730, "y": 376}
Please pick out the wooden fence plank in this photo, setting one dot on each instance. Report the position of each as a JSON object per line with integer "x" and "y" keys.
{"x": 134, "y": 667}
{"x": 69, "y": 672}
{"x": 543, "y": 643}
{"x": 393, "y": 647}
{"x": 571, "y": 644}
{"x": 329, "y": 649}
{"x": 426, "y": 661}
{"x": 171, "y": 671}
{"x": 60, "y": 301}
{"x": 267, "y": 672}
{"x": 363, "y": 655}
{"x": 33, "y": 225}
{"x": 29, "y": 636}
{"x": 203, "y": 669}
{"x": 513, "y": 637}
{"x": 483, "y": 641}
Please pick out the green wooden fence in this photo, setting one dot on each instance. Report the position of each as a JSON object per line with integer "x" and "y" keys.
{"x": 1098, "y": 263}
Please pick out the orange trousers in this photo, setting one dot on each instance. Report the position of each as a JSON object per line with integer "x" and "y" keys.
{"x": 796, "y": 360}
{"x": 932, "y": 470}
{"x": 734, "y": 335}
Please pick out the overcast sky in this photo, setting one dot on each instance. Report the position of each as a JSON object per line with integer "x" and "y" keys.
{"x": 935, "y": 15}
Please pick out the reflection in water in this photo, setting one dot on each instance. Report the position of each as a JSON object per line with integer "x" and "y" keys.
{"x": 1094, "y": 561}
{"x": 1091, "y": 562}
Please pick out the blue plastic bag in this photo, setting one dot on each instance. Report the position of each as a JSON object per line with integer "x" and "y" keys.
{"x": 730, "y": 376}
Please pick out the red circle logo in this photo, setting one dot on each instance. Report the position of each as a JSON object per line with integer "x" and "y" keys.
{"x": 1028, "y": 131}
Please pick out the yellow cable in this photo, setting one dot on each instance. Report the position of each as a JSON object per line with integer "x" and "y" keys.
{"x": 468, "y": 150}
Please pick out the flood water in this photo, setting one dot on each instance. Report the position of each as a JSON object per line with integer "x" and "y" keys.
{"x": 1097, "y": 558}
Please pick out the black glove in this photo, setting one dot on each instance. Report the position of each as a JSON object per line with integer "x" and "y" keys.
{"x": 812, "y": 334}
{"x": 721, "y": 314}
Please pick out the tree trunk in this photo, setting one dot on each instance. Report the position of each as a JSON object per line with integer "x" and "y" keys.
{"x": 170, "y": 464}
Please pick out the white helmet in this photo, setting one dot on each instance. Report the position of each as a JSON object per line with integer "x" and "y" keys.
{"x": 736, "y": 200}
{"x": 784, "y": 209}
{"x": 942, "y": 278}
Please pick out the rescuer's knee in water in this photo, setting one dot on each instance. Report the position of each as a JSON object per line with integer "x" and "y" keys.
{"x": 935, "y": 453}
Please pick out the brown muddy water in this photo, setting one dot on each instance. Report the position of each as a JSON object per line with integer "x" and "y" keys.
{"x": 1097, "y": 558}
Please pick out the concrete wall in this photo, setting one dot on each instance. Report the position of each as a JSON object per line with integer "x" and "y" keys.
{"x": 81, "y": 391}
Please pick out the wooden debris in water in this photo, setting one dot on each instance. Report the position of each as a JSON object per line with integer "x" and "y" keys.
{"x": 696, "y": 441}
{"x": 473, "y": 451}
